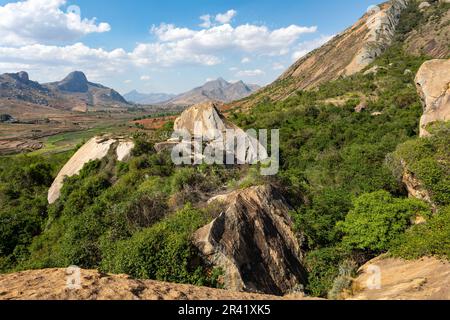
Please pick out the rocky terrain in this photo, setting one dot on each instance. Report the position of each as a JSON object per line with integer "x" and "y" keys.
{"x": 340, "y": 200}
{"x": 217, "y": 90}
{"x": 252, "y": 241}
{"x": 73, "y": 93}
{"x": 51, "y": 284}
{"x": 355, "y": 48}
{"x": 424, "y": 279}
{"x": 433, "y": 85}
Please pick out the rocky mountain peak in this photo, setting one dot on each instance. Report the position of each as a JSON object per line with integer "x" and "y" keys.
{"x": 75, "y": 82}
{"x": 23, "y": 76}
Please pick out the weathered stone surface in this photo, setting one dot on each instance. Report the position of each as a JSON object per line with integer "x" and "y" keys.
{"x": 424, "y": 279}
{"x": 95, "y": 149}
{"x": 213, "y": 128}
{"x": 433, "y": 85}
{"x": 414, "y": 186}
{"x": 51, "y": 284}
{"x": 253, "y": 242}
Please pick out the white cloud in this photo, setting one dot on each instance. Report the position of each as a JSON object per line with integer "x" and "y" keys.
{"x": 247, "y": 38}
{"x": 250, "y": 73}
{"x": 43, "y": 21}
{"x": 44, "y": 44}
{"x": 145, "y": 78}
{"x": 278, "y": 66}
{"x": 226, "y": 17}
{"x": 245, "y": 60}
{"x": 306, "y": 47}
{"x": 127, "y": 81}
{"x": 206, "y": 18}
{"x": 168, "y": 32}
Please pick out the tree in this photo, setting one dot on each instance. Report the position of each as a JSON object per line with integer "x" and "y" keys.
{"x": 377, "y": 219}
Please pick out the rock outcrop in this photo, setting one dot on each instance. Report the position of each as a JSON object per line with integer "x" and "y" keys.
{"x": 95, "y": 149}
{"x": 213, "y": 128}
{"x": 381, "y": 24}
{"x": 396, "y": 279}
{"x": 433, "y": 85}
{"x": 51, "y": 284}
{"x": 253, "y": 243}
{"x": 414, "y": 186}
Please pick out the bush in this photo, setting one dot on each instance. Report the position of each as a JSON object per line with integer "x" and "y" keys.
{"x": 377, "y": 219}
{"x": 323, "y": 267}
{"x": 318, "y": 220}
{"x": 429, "y": 239}
{"x": 162, "y": 252}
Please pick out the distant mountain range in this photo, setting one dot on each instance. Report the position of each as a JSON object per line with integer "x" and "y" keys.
{"x": 216, "y": 90}
{"x": 147, "y": 98}
{"x": 73, "y": 93}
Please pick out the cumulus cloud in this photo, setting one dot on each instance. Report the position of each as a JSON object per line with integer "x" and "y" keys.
{"x": 145, "y": 78}
{"x": 307, "y": 46}
{"x": 226, "y": 17}
{"x": 43, "y": 21}
{"x": 168, "y": 32}
{"x": 206, "y": 18}
{"x": 250, "y": 73}
{"x": 247, "y": 37}
{"x": 38, "y": 36}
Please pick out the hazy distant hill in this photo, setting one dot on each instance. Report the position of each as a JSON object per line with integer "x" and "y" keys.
{"x": 217, "y": 90}
{"x": 147, "y": 98}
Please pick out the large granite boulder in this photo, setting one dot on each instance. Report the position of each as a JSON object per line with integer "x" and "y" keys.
{"x": 95, "y": 149}
{"x": 253, "y": 243}
{"x": 433, "y": 85}
{"x": 214, "y": 131}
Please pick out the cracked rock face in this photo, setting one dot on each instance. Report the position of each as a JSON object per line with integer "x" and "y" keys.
{"x": 253, "y": 243}
{"x": 433, "y": 85}
{"x": 95, "y": 149}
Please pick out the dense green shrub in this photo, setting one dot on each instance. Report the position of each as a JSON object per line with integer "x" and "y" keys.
{"x": 317, "y": 221}
{"x": 428, "y": 239}
{"x": 323, "y": 267}
{"x": 377, "y": 219}
{"x": 161, "y": 252}
{"x": 428, "y": 160}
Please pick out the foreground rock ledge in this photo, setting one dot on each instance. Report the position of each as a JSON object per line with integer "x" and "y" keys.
{"x": 50, "y": 284}
{"x": 424, "y": 279}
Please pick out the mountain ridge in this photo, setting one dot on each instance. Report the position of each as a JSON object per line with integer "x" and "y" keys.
{"x": 73, "y": 93}
{"x": 215, "y": 90}
{"x": 354, "y": 49}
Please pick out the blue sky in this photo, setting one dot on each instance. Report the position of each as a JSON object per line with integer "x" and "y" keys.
{"x": 164, "y": 46}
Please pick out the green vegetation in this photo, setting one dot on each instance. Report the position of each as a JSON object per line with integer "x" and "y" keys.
{"x": 24, "y": 182}
{"x": 337, "y": 165}
{"x": 377, "y": 219}
{"x": 341, "y": 170}
{"x": 161, "y": 252}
